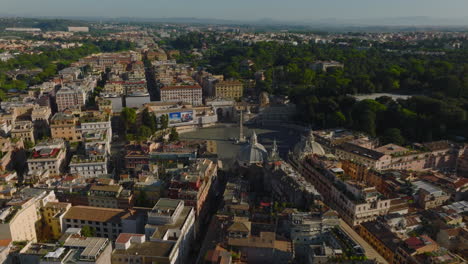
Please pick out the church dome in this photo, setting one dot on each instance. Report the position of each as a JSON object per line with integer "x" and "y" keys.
{"x": 307, "y": 146}
{"x": 252, "y": 153}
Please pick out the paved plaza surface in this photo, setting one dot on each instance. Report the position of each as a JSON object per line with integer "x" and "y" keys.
{"x": 227, "y": 149}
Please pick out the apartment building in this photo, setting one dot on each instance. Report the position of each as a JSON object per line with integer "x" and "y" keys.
{"x": 106, "y": 222}
{"x": 74, "y": 249}
{"x": 384, "y": 241}
{"x": 23, "y": 130}
{"x": 110, "y": 196}
{"x": 48, "y": 156}
{"x": 168, "y": 235}
{"x": 228, "y": 89}
{"x": 18, "y": 222}
{"x": 438, "y": 155}
{"x": 113, "y": 89}
{"x": 193, "y": 185}
{"x": 429, "y": 196}
{"x": 191, "y": 94}
{"x": 64, "y": 126}
{"x": 263, "y": 247}
{"x": 70, "y": 98}
{"x": 52, "y": 220}
{"x": 70, "y": 73}
{"x": 20, "y": 216}
{"x": 88, "y": 167}
{"x": 91, "y": 121}
{"x": 355, "y": 201}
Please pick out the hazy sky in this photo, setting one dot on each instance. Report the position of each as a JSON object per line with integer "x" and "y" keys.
{"x": 240, "y": 9}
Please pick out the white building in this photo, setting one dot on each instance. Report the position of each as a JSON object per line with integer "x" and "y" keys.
{"x": 191, "y": 94}
{"x": 88, "y": 167}
{"x": 48, "y": 156}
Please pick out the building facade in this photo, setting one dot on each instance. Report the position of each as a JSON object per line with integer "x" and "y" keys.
{"x": 191, "y": 94}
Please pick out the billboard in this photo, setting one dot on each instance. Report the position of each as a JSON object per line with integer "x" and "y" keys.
{"x": 180, "y": 117}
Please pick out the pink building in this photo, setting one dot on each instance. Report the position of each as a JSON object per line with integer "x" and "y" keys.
{"x": 69, "y": 98}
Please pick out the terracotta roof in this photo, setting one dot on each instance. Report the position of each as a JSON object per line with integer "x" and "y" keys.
{"x": 461, "y": 182}
{"x": 453, "y": 231}
{"x": 175, "y": 87}
{"x": 125, "y": 237}
{"x": 98, "y": 214}
{"x": 105, "y": 188}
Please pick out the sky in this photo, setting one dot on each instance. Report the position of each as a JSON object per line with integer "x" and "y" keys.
{"x": 286, "y": 10}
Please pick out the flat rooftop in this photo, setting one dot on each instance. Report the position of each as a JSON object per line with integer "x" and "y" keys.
{"x": 98, "y": 214}
{"x": 92, "y": 245}
{"x": 148, "y": 248}
{"x": 162, "y": 229}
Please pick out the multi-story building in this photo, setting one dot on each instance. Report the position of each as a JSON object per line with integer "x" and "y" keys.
{"x": 104, "y": 105}
{"x": 366, "y": 156}
{"x": 110, "y": 196}
{"x": 92, "y": 121}
{"x": 40, "y": 116}
{"x": 70, "y": 74}
{"x": 258, "y": 248}
{"x": 23, "y": 130}
{"x": 137, "y": 155}
{"x": 88, "y": 167}
{"x": 191, "y": 94}
{"x": 105, "y": 222}
{"x": 193, "y": 185}
{"x": 355, "y": 201}
{"x": 18, "y": 222}
{"x": 47, "y": 157}
{"x": 52, "y": 220}
{"x": 135, "y": 87}
{"x": 70, "y": 98}
{"x": 228, "y": 89}
{"x": 430, "y": 196}
{"x": 306, "y": 228}
{"x": 19, "y": 218}
{"x": 381, "y": 239}
{"x": 64, "y": 126}
{"x": 169, "y": 233}
{"x": 439, "y": 155}
{"x": 74, "y": 249}
{"x": 172, "y": 156}
{"x": 113, "y": 89}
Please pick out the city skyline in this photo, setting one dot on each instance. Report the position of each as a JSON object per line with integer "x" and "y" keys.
{"x": 416, "y": 12}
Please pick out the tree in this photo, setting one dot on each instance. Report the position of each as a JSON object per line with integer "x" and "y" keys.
{"x": 88, "y": 231}
{"x": 128, "y": 116}
{"x": 142, "y": 200}
{"x": 393, "y": 135}
{"x": 28, "y": 144}
{"x": 148, "y": 119}
{"x": 174, "y": 135}
{"x": 145, "y": 132}
{"x": 164, "y": 120}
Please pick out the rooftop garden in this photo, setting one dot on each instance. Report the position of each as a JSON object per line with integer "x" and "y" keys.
{"x": 81, "y": 159}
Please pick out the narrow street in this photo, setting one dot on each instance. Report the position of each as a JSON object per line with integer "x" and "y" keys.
{"x": 370, "y": 252}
